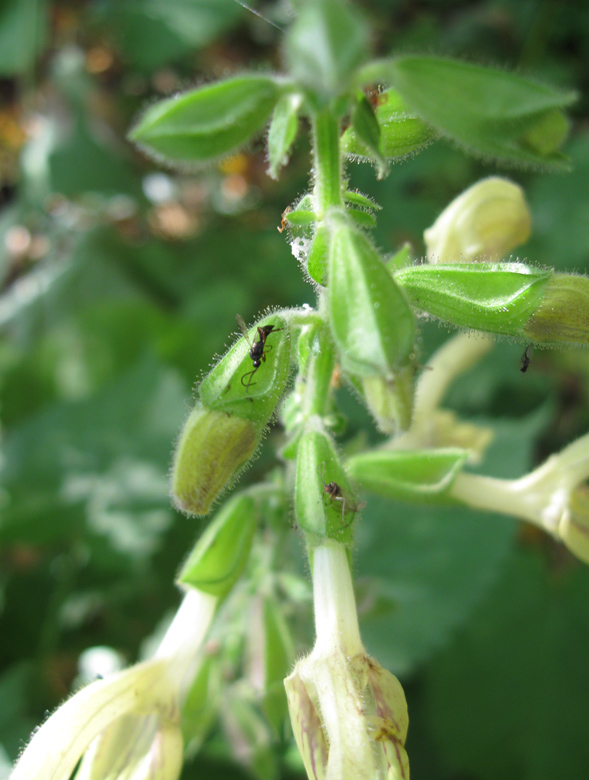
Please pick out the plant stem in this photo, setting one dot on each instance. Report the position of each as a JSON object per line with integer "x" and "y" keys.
{"x": 328, "y": 173}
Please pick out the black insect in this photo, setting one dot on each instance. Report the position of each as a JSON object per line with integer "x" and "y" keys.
{"x": 525, "y": 360}
{"x": 335, "y": 493}
{"x": 258, "y": 349}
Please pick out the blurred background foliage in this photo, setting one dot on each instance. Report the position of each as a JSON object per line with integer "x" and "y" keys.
{"x": 119, "y": 284}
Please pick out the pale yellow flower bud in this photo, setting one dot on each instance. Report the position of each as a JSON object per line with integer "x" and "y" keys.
{"x": 485, "y": 222}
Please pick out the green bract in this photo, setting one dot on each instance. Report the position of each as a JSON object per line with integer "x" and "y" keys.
{"x": 225, "y": 388}
{"x": 219, "y": 556}
{"x": 494, "y": 297}
{"x": 401, "y": 131}
{"x": 367, "y": 130}
{"x": 563, "y": 316}
{"x": 490, "y": 112}
{"x": 408, "y": 475}
{"x": 282, "y": 132}
{"x": 324, "y": 46}
{"x": 319, "y": 515}
{"x": 212, "y": 449}
{"x": 210, "y": 121}
{"x": 371, "y": 322}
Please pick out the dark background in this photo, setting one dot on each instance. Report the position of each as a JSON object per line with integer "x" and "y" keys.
{"x": 121, "y": 281}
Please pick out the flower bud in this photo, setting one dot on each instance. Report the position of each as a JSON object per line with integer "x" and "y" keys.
{"x": 213, "y": 447}
{"x": 486, "y": 221}
{"x": 221, "y": 553}
{"x": 372, "y": 324}
{"x": 563, "y": 315}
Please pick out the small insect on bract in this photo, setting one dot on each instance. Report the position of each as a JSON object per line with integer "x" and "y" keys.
{"x": 335, "y": 493}
{"x": 258, "y": 348}
{"x": 525, "y": 360}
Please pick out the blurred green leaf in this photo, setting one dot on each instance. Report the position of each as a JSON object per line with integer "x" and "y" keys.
{"x": 516, "y": 679}
{"x": 23, "y": 32}
{"x": 154, "y": 33}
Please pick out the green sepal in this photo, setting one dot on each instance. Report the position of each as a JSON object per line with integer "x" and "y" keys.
{"x": 223, "y": 390}
{"x": 488, "y": 111}
{"x": 282, "y": 132}
{"x": 212, "y": 449}
{"x": 363, "y": 219}
{"x": 493, "y": 297}
{"x": 400, "y": 259}
{"x": 270, "y": 656}
{"x": 402, "y": 132}
{"x": 371, "y": 322}
{"x": 221, "y": 553}
{"x": 362, "y": 201}
{"x": 200, "y": 709}
{"x": 563, "y": 315}
{"x": 319, "y": 516}
{"x": 208, "y": 122}
{"x": 300, "y": 218}
{"x": 326, "y": 43}
{"x": 367, "y": 130}
{"x": 318, "y": 256}
{"x": 423, "y": 476}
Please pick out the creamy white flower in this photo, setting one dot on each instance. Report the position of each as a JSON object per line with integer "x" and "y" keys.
{"x": 349, "y": 715}
{"x": 553, "y": 496}
{"x": 129, "y": 722}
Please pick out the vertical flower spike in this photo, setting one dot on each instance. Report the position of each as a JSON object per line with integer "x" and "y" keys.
{"x": 349, "y": 715}
{"x": 372, "y": 324}
{"x": 485, "y": 222}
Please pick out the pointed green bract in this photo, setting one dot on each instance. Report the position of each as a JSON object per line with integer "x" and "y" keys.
{"x": 367, "y": 129}
{"x": 493, "y": 297}
{"x": 370, "y": 319}
{"x": 221, "y": 553}
{"x": 282, "y": 132}
{"x": 208, "y": 122}
{"x": 423, "y": 476}
{"x": 401, "y": 132}
{"x": 489, "y": 111}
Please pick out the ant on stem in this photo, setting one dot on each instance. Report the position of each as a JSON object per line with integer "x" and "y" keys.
{"x": 258, "y": 348}
{"x": 335, "y": 493}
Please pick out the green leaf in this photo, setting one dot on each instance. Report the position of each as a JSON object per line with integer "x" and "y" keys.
{"x": 488, "y": 111}
{"x": 408, "y": 475}
{"x": 493, "y": 297}
{"x": 402, "y": 133}
{"x": 327, "y": 42}
{"x": 282, "y": 132}
{"x": 208, "y": 122}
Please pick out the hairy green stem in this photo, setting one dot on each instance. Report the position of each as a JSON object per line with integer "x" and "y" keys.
{"x": 326, "y": 152}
